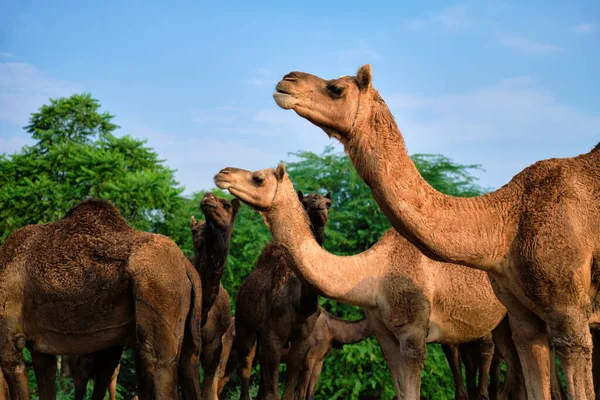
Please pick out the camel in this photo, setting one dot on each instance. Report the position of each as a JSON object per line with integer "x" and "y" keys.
{"x": 4, "y": 394}
{"x": 409, "y": 299}
{"x": 538, "y": 237}
{"x": 273, "y": 307}
{"x": 329, "y": 332}
{"x": 211, "y": 240}
{"x": 88, "y": 283}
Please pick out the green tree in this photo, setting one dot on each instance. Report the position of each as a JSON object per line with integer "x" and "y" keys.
{"x": 77, "y": 156}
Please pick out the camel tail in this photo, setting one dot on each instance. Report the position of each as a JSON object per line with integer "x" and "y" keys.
{"x": 193, "y": 324}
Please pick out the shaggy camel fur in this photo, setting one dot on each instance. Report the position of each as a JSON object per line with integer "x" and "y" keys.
{"x": 4, "y": 394}
{"x": 89, "y": 282}
{"x": 538, "y": 236}
{"x": 273, "y": 307}
{"x": 211, "y": 239}
{"x": 409, "y": 299}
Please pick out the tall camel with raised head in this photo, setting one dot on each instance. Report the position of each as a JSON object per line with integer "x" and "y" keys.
{"x": 538, "y": 237}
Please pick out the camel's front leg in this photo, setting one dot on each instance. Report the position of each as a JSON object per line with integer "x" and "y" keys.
{"x": 45, "y": 368}
{"x": 453, "y": 358}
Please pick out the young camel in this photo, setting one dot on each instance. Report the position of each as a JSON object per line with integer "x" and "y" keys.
{"x": 88, "y": 283}
{"x": 84, "y": 368}
{"x": 538, "y": 236}
{"x": 329, "y": 332}
{"x": 409, "y": 299}
{"x": 211, "y": 239}
{"x": 274, "y": 308}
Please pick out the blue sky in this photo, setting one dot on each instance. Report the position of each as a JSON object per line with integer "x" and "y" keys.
{"x": 496, "y": 83}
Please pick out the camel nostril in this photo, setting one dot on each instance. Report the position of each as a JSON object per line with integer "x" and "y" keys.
{"x": 292, "y": 76}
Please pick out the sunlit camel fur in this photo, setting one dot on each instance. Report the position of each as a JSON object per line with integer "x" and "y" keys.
{"x": 538, "y": 236}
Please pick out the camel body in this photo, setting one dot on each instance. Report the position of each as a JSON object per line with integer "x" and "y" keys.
{"x": 89, "y": 282}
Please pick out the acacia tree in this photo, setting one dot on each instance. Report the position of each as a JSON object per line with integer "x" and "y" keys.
{"x": 76, "y": 156}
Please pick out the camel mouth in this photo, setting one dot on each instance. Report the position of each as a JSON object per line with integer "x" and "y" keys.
{"x": 283, "y": 97}
{"x": 221, "y": 182}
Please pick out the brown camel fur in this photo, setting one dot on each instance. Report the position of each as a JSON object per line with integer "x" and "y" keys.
{"x": 89, "y": 282}
{"x": 538, "y": 236}
{"x": 4, "y": 394}
{"x": 274, "y": 307}
{"x": 409, "y": 299}
{"x": 211, "y": 239}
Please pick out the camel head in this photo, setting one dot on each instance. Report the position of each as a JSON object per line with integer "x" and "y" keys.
{"x": 219, "y": 212}
{"x": 317, "y": 207}
{"x": 261, "y": 190}
{"x": 197, "y": 231}
{"x": 333, "y": 105}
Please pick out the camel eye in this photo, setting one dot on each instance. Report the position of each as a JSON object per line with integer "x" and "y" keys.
{"x": 258, "y": 180}
{"x": 227, "y": 206}
{"x": 335, "y": 91}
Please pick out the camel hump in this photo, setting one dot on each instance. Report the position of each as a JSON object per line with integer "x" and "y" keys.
{"x": 97, "y": 211}
{"x": 596, "y": 148}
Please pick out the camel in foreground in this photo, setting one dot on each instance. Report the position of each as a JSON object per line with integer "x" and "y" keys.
{"x": 538, "y": 237}
{"x": 89, "y": 282}
{"x": 211, "y": 239}
{"x": 409, "y": 299}
{"x": 274, "y": 308}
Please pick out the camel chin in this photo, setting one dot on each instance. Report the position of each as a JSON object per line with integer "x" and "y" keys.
{"x": 285, "y": 100}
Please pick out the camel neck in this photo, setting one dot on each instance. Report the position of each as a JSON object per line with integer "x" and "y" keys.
{"x": 472, "y": 231}
{"x": 210, "y": 260}
{"x": 319, "y": 234}
{"x": 348, "y": 332}
{"x": 351, "y": 279}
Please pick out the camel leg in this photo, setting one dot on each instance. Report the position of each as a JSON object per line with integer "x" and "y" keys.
{"x": 453, "y": 358}
{"x": 529, "y": 335}
{"x": 469, "y": 354}
{"x": 45, "y": 368}
{"x": 486, "y": 346}
{"x": 298, "y": 353}
{"x": 269, "y": 356}
{"x": 572, "y": 340}
{"x": 314, "y": 379}
{"x": 222, "y": 371}
{"x": 596, "y": 361}
{"x": 242, "y": 353}
{"x": 189, "y": 365}
{"x": 211, "y": 353}
{"x": 106, "y": 363}
{"x": 514, "y": 387}
{"x": 112, "y": 387}
{"x": 305, "y": 376}
{"x": 495, "y": 373}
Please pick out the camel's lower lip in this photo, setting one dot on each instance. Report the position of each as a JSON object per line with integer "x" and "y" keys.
{"x": 208, "y": 205}
{"x": 221, "y": 184}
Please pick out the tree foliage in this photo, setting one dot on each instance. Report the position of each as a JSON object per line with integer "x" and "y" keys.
{"x": 76, "y": 156}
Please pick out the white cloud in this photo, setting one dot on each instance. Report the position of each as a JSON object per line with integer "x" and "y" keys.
{"x": 23, "y": 89}
{"x": 452, "y": 19}
{"x": 5, "y": 54}
{"x": 529, "y": 46}
{"x": 585, "y": 29}
{"x": 505, "y": 127}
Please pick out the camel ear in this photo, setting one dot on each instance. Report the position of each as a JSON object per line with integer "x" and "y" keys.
{"x": 280, "y": 171}
{"x": 364, "y": 76}
{"x": 300, "y": 195}
{"x": 193, "y": 221}
{"x": 328, "y": 195}
{"x": 235, "y": 203}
